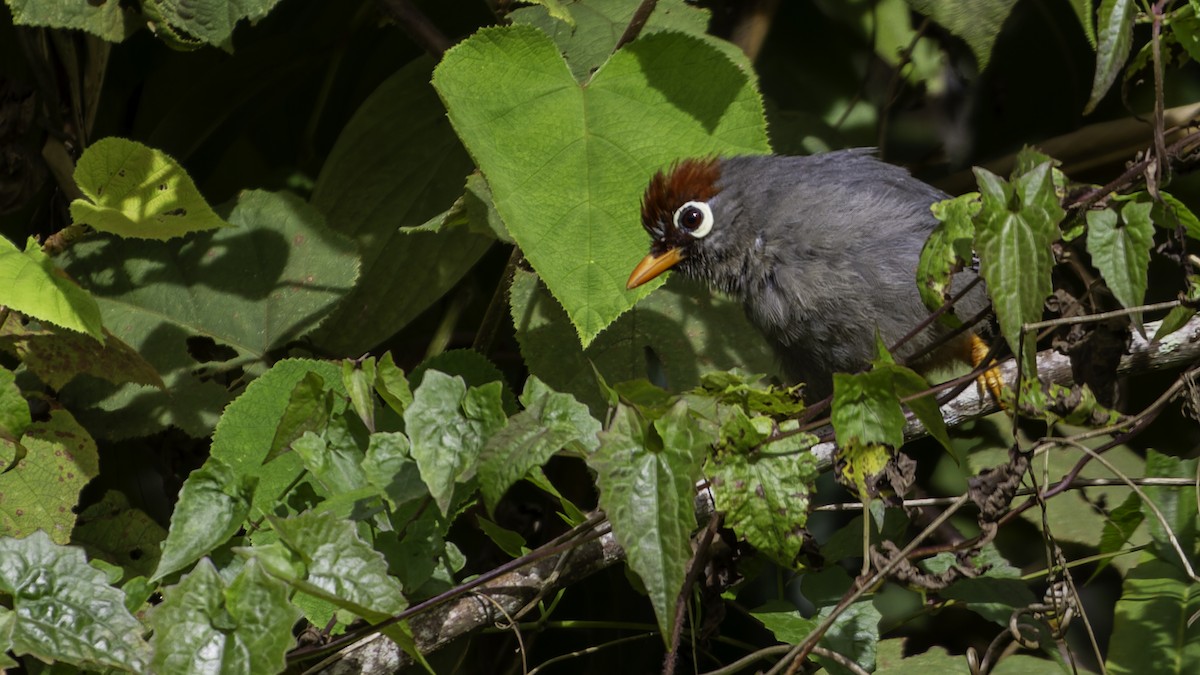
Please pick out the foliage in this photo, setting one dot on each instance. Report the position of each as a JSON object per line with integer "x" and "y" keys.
{"x": 263, "y": 331}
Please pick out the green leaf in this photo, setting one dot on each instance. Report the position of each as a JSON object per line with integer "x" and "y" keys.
{"x": 250, "y": 290}
{"x": 1015, "y": 230}
{"x": 113, "y": 531}
{"x": 765, "y": 494}
{"x": 747, "y": 391}
{"x": 474, "y": 368}
{"x": 213, "y": 504}
{"x": 389, "y": 467}
{"x": 947, "y": 251}
{"x": 647, "y": 493}
{"x": 340, "y": 568}
{"x": 549, "y": 422}
{"x": 854, "y": 634}
{"x": 674, "y": 335}
{"x": 63, "y": 610}
{"x": 204, "y": 626}
{"x": 57, "y": 356}
{"x": 977, "y": 22}
{"x": 1177, "y": 504}
{"x": 1152, "y": 631}
{"x": 108, "y": 20}
{"x": 32, "y": 284}
{"x": 510, "y": 542}
{"x": 890, "y": 659}
{"x": 391, "y": 385}
{"x": 41, "y": 490}
{"x": 211, "y": 21}
{"x": 1119, "y": 527}
{"x": 359, "y": 380}
{"x": 869, "y": 424}
{"x": 136, "y": 191}
{"x": 1169, "y": 212}
{"x": 336, "y": 460}
{"x": 448, "y": 426}
{"x": 907, "y": 382}
{"x": 309, "y": 408}
{"x": 396, "y": 164}
{"x": 1114, "y": 39}
{"x": 992, "y": 598}
{"x": 567, "y": 163}
{"x": 1121, "y": 249}
{"x": 247, "y": 428}
{"x": 600, "y": 23}
{"x": 14, "y": 410}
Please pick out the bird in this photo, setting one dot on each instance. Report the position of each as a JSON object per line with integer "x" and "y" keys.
{"x": 821, "y": 250}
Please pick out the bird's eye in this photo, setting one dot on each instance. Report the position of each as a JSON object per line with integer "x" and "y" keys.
{"x": 695, "y": 218}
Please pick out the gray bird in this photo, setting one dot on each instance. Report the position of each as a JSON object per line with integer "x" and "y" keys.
{"x": 821, "y": 250}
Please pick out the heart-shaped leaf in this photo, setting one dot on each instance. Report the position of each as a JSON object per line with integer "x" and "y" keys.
{"x": 567, "y": 162}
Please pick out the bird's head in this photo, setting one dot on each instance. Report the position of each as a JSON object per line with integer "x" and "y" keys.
{"x": 678, "y": 212}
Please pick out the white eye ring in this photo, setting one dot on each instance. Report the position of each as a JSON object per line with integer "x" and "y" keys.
{"x": 685, "y": 219}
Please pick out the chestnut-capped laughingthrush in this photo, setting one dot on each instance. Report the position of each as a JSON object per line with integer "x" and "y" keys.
{"x": 821, "y": 250}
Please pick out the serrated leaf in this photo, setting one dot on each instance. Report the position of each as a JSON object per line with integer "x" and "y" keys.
{"x": 210, "y": 21}
{"x": 1152, "y": 631}
{"x": 136, "y": 191}
{"x": 1113, "y": 40}
{"x": 600, "y": 23}
{"x": 109, "y": 20}
{"x": 213, "y": 503}
{"x": 202, "y": 625}
{"x": 448, "y": 426}
{"x": 244, "y": 435}
{"x": 1121, "y": 249}
{"x": 250, "y": 290}
{"x": 41, "y": 490}
{"x": 396, "y": 164}
{"x": 63, "y": 610}
{"x": 1015, "y": 230}
{"x": 947, "y": 250}
{"x": 869, "y": 425}
{"x": 336, "y": 460}
{"x": 567, "y": 163}
{"x": 56, "y": 356}
{"x": 977, "y": 22}
{"x": 647, "y": 493}
{"x": 675, "y": 335}
{"x": 474, "y": 368}
{"x": 549, "y": 422}
{"x": 765, "y": 495}
{"x": 32, "y": 284}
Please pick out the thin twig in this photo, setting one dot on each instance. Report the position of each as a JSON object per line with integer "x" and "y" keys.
{"x": 636, "y": 23}
{"x": 418, "y": 26}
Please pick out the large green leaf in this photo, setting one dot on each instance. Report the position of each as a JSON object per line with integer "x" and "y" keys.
{"x": 212, "y": 506}
{"x": 854, "y": 634}
{"x": 32, "y": 284}
{"x": 647, "y": 493}
{"x": 395, "y": 165}
{"x": 567, "y": 162}
{"x": 947, "y": 250}
{"x": 64, "y": 610}
{"x": 250, "y": 289}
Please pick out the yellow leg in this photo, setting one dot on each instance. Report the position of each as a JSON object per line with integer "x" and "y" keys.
{"x": 990, "y": 380}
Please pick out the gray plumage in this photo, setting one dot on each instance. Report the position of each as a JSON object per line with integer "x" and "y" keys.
{"x": 822, "y": 251}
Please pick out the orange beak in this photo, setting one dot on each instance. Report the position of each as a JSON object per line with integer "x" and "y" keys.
{"x": 652, "y": 266}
